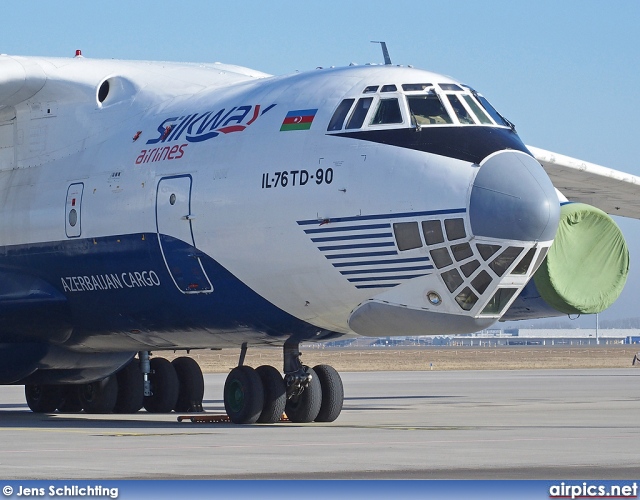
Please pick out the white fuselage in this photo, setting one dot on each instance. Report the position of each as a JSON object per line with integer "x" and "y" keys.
{"x": 304, "y": 218}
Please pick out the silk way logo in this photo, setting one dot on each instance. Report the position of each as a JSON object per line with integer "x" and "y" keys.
{"x": 199, "y": 127}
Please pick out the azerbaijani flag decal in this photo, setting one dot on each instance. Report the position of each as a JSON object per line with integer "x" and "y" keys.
{"x": 300, "y": 119}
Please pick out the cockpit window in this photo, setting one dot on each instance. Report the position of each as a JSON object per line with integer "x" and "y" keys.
{"x": 388, "y": 112}
{"x": 415, "y": 87}
{"x": 450, "y": 86}
{"x": 340, "y": 114}
{"x": 492, "y": 111}
{"x": 482, "y": 116}
{"x": 388, "y": 88}
{"x": 428, "y": 110}
{"x": 359, "y": 113}
{"x": 371, "y": 89}
{"x": 461, "y": 112}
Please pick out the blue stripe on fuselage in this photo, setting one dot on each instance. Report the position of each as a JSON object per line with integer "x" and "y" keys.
{"x": 120, "y": 285}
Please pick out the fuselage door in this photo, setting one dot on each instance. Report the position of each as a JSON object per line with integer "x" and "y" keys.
{"x": 73, "y": 212}
{"x": 175, "y": 235}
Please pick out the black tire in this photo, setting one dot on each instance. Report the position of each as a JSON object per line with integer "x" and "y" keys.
{"x": 191, "y": 381}
{"x": 130, "y": 388}
{"x": 164, "y": 387}
{"x": 243, "y": 395}
{"x": 69, "y": 399}
{"x": 99, "y": 396}
{"x": 332, "y": 393}
{"x": 305, "y": 407}
{"x": 42, "y": 398}
{"x": 275, "y": 394}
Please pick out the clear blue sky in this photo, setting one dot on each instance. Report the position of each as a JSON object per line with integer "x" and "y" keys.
{"x": 565, "y": 72}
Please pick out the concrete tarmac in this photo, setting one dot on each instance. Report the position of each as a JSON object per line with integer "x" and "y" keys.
{"x": 529, "y": 424}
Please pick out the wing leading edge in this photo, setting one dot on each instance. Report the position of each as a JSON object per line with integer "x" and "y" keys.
{"x": 615, "y": 192}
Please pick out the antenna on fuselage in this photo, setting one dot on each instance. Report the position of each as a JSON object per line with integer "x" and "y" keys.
{"x": 385, "y": 52}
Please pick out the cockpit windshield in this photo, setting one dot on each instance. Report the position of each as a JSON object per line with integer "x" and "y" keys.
{"x": 424, "y": 104}
{"x": 491, "y": 110}
{"x": 427, "y": 109}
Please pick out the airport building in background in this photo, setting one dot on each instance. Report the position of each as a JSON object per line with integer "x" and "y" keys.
{"x": 498, "y": 338}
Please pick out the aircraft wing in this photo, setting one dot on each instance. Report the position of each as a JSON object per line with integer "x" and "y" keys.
{"x": 615, "y": 192}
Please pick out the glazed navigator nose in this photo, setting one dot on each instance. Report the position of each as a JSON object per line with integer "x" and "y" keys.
{"x": 512, "y": 198}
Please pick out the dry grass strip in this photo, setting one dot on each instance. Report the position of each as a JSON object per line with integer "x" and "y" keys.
{"x": 411, "y": 359}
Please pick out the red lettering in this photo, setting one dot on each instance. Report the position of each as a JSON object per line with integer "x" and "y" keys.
{"x": 140, "y": 158}
{"x": 163, "y": 153}
{"x": 173, "y": 151}
{"x": 158, "y": 154}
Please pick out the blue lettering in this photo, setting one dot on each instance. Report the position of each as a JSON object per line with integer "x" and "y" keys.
{"x": 162, "y": 129}
{"x": 240, "y": 117}
{"x": 201, "y": 127}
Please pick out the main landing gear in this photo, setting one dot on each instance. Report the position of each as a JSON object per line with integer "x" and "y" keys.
{"x": 262, "y": 395}
{"x": 156, "y": 384}
{"x": 259, "y": 395}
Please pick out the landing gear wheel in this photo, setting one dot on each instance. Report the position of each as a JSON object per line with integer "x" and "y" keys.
{"x": 42, "y": 398}
{"x": 69, "y": 399}
{"x": 164, "y": 386}
{"x": 332, "y": 393}
{"x": 130, "y": 388}
{"x": 243, "y": 395}
{"x": 191, "y": 384}
{"x": 305, "y": 407}
{"x": 275, "y": 394}
{"x": 99, "y": 396}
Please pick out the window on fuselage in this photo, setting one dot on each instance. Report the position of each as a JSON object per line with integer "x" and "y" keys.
{"x": 407, "y": 235}
{"x": 428, "y": 110}
{"x": 388, "y": 112}
{"x": 359, "y": 113}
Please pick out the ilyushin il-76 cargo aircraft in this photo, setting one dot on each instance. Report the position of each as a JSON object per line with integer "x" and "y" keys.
{"x": 154, "y": 206}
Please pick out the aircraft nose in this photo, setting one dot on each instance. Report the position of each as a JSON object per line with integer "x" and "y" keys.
{"x": 512, "y": 198}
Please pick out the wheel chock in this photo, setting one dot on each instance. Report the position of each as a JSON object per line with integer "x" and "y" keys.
{"x": 215, "y": 419}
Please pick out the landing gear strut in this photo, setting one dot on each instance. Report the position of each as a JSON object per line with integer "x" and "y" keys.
{"x": 262, "y": 395}
{"x": 304, "y": 394}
